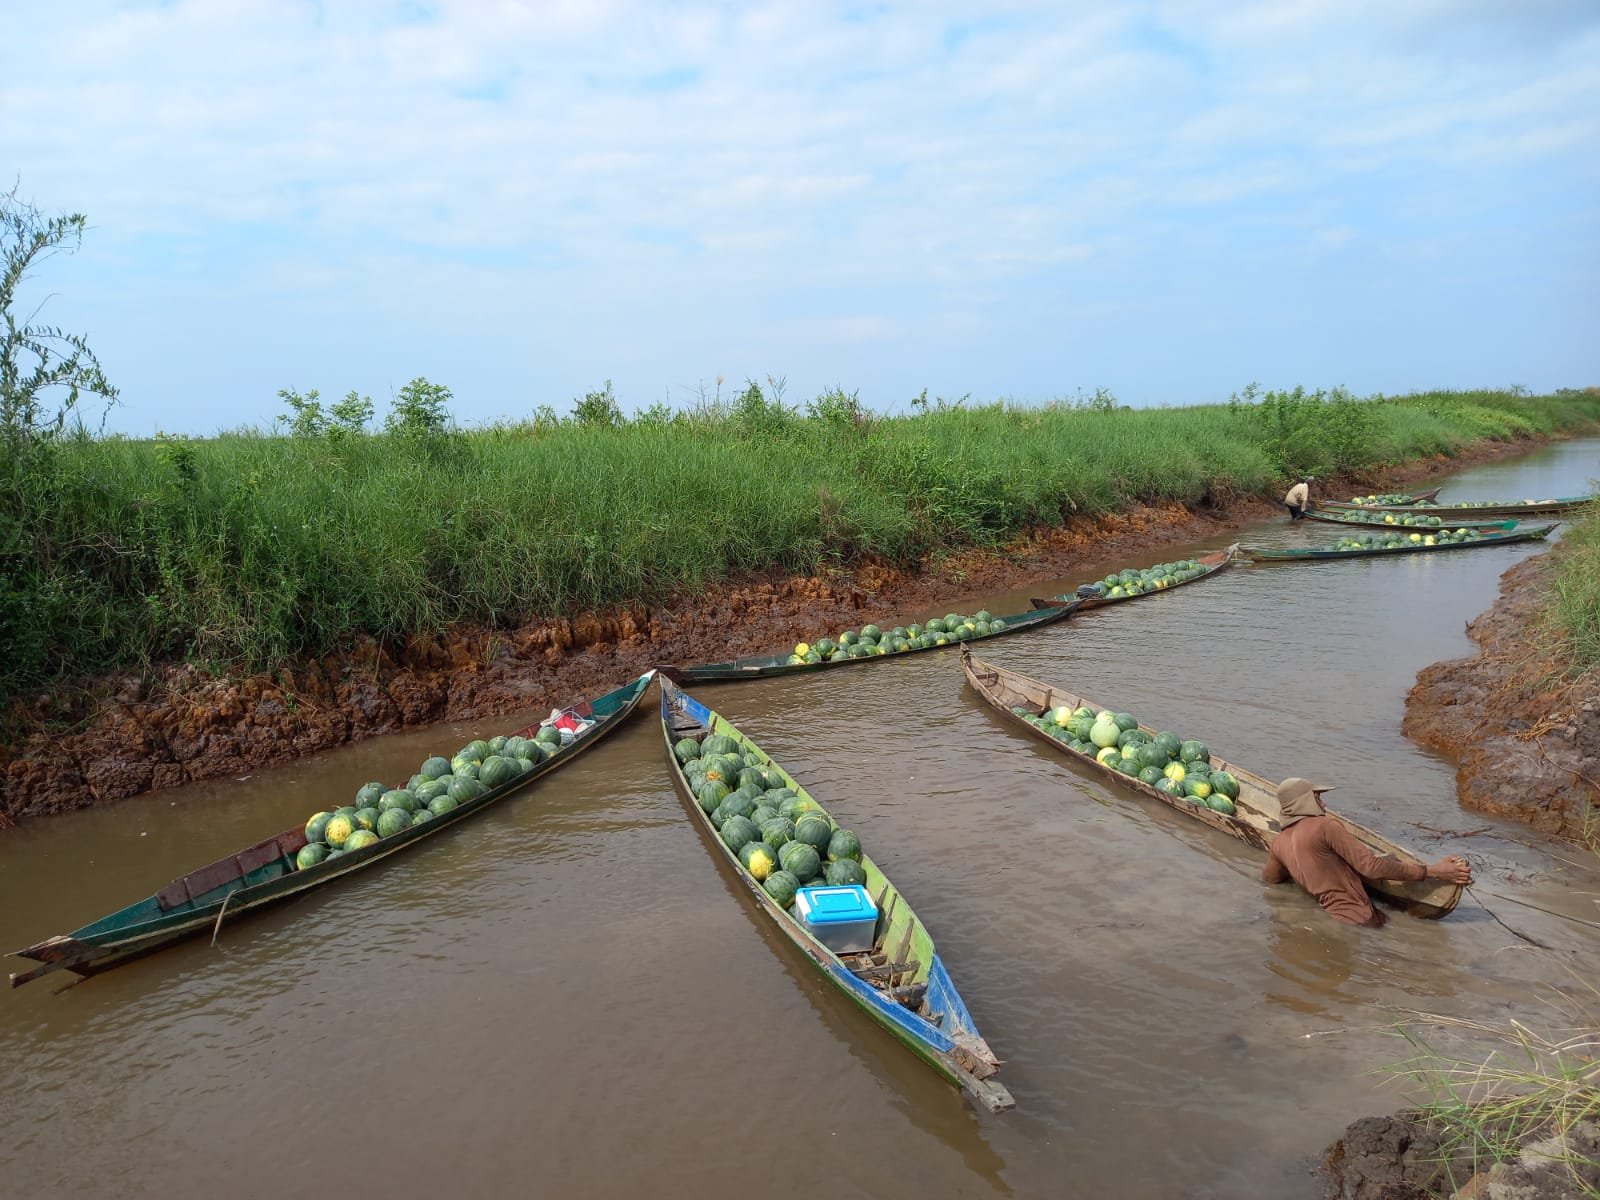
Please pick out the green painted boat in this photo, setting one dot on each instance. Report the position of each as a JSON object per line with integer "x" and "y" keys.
{"x": 900, "y": 982}
{"x": 1257, "y": 554}
{"x": 1473, "y": 511}
{"x": 765, "y": 666}
{"x": 1390, "y": 499}
{"x": 1092, "y": 595}
{"x": 1367, "y": 520}
{"x": 1016, "y": 697}
{"x": 265, "y": 873}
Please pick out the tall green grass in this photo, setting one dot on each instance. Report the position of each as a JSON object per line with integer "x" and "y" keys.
{"x": 241, "y": 550}
{"x": 1574, "y": 610}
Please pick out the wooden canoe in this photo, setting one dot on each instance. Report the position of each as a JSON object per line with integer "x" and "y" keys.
{"x": 1316, "y": 554}
{"x": 1374, "y": 517}
{"x": 1471, "y": 512}
{"x": 1211, "y": 563}
{"x": 1404, "y": 498}
{"x": 1255, "y": 820}
{"x": 902, "y": 983}
{"x": 764, "y": 666}
{"x": 265, "y": 873}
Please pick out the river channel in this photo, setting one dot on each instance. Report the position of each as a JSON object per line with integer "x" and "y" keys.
{"x": 569, "y": 996}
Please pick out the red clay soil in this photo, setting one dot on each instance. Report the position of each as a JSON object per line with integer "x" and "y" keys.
{"x": 107, "y": 739}
{"x": 1525, "y": 747}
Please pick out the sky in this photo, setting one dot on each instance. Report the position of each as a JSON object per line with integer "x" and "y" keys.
{"x": 1010, "y": 200}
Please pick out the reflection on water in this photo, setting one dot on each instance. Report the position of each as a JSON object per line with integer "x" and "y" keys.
{"x": 571, "y": 989}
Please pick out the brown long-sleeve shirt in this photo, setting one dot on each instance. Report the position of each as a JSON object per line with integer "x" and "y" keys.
{"x": 1326, "y": 859}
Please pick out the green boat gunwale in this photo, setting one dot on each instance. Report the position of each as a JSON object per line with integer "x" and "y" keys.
{"x": 1256, "y": 819}
{"x": 265, "y": 872}
{"x": 968, "y": 1062}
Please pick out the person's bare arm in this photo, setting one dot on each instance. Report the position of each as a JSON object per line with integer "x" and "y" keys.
{"x": 1274, "y": 871}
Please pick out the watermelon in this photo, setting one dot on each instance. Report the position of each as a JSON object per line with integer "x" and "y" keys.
{"x": 815, "y": 830}
{"x": 1108, "y": 756}
{"x": 369, "y": 793}
{"x": 361, "y": 839}
{"x": 758, "y": 858}
{"x": 1151, "y": 775}
{"x": 392, "y": 821}
{"x": 1124, "y": 720}
{"x": 462, "y": 790}
{"x": 719, "y": 743}
{"x": 781, "y": 886}
{"x": 1175, "y": 772}
{"x": 710, "y": 794}
{"x": 844, "y": 873}
{"x": 778, "y": 832}
{"x": 1225, "y": 784}
{"x": 316, "y": 826}
{"x": 412, "y": 785}
{"x": 420, "y": 816}
{"x": 440, "y": 805}
{"x": 1220, "y": 804}
{"x": 1170, "y": 786}
{"x": 1104, "y": 732}
{"x": 498, "y": 771}
{"x": 427, "y": 791}
{"x": 474, "y": 751}
{"x": 844, "y": 845}
{"x": 434, "y": 767}
{"x": 1152, "y": 755}
{"x": 347, "y": 810}
{"x": 1193, "y": 751}
{"x": 795, "y": 807}
{"x": 800, "y": 860}
{"x": 737, "y": 832}
{"x": 310, "y": 855}
{"x": 1197, "y": 787}
{"x": 399, "y": 798}
{"x": 777, "y": 795}
{"x": 1132, "y": 737}
{"x": 366, "y": 818}
{"x": 460, "y": 768}
{"x": 739, "y": 804}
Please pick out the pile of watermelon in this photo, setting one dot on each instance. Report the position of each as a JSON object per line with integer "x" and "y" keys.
{"x": 783, "y": 839}
{"x": 871, "y": 640}
{"x": 1388, "y": 498}
{"x": 1164, "y": 761}
{"x": 1136, "y": 581}
{"x": 1411, "y": 520}
{"x": 440, "y": 785}
{"x": 1391, "y": 541}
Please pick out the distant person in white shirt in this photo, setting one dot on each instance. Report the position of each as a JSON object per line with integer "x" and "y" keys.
{"x": 1298, "y": 498}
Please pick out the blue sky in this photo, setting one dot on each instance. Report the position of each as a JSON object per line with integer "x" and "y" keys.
{"x": 1010, "y": 200}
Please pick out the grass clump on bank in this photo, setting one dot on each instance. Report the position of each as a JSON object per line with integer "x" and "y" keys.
{"x": 1574, "y": 610}
{"x": 248, "y": 548}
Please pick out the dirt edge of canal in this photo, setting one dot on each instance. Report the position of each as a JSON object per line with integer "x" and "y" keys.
{"x": 102, "y": 740}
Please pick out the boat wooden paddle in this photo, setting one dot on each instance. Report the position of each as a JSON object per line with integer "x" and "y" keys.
{"x": 266, "y": 872}
{"x": 1255, "y": 820}
{"x": 900, "y": 981}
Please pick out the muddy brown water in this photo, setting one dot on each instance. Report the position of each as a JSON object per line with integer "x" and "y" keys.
{"x": 569, "y": 996}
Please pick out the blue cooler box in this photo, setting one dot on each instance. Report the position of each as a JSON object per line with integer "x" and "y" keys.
{"x": 841, "y": 918}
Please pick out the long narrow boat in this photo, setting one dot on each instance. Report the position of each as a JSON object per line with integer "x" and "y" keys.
{"x": 1315, "y": 554}
{"x": 1389, "y": 499}
{"x": 266, "y": 872}
{"x": 1256, "y": 812}
{"x": 1469, "y": 512}
{"x": 763, "y": 666}
{"x": 1210, "y": 563}
{"x": 901, "y": 982}
{"x": 1374, "y": 518}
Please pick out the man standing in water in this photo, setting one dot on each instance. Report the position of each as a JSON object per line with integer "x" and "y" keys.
{"x": 1326, "y": 859}
{"x": 1298, "y": 498}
